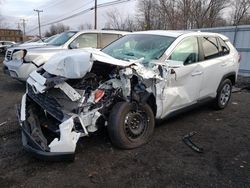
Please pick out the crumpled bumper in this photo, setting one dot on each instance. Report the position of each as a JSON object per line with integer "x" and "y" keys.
{"x": 31, "y": 146}
{"x": 59, "y": 149}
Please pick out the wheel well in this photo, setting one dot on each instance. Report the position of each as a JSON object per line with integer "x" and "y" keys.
{"x": 231, "y": 77}
{"x": 152, "y": 103}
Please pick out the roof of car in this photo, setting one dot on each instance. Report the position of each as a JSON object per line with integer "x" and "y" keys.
{"x": 171, "y": 33}
{"x": 105, "y": 31}
{"x": 177, "y": 33}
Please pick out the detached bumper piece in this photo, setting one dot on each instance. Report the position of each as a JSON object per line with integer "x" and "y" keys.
{"x": 187, "y": 140}
{"x": 31, "y": 146}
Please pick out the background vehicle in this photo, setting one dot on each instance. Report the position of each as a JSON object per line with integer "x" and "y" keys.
{"x": 141, "y": 77}
{"x": 37, "y": 42}
{"x": 4, "y": 45}
{"x": 20, "y": 61}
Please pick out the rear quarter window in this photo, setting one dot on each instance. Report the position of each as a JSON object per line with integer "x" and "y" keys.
{"x": 224, "y": 50}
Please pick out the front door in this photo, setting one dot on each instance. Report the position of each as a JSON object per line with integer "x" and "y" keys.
{"x": 184, "y": 87}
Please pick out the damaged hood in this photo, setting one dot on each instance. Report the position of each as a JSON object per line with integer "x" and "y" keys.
{"x": 74, "y": 64}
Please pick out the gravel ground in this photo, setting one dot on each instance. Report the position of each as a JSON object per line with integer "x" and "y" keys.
{"x": 243, "y": 82}
{"x": 165, "y": 162}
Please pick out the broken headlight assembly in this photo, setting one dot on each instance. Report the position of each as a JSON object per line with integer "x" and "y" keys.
{"x": 19, "y": 55}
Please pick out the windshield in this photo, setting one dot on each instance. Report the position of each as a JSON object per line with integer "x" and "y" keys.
{"x": 61, "y": 38}
{"x": 50, "y": 38}
{"x": 137, "y": 46}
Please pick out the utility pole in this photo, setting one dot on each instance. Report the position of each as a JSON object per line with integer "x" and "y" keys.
{"x": 95, "y": 14}
{"x": 23, "y": 23}
{"x": 39, "y": 24}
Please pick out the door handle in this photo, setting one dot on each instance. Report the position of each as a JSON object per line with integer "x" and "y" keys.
{"x": 197, "y": 73}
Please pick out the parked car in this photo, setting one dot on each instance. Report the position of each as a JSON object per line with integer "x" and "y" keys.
{"x": 4, "y": 45}
{"x": 126, "y": 86}
{"x": 20, "y": 61}
{"x": 37, "y": 42}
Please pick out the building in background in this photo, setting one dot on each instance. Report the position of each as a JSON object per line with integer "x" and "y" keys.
{"x": 11, "y": 35}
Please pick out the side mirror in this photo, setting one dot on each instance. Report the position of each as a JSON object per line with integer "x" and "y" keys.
{"x": 74, "y": 45}
{"x": 175, "y": 64}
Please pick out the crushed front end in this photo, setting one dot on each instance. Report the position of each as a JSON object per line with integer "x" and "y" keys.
{"x": 64, "y": 103}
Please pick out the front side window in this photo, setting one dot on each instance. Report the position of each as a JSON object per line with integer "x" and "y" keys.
{"x": 210, "y": 47}
{"x": 187, "y": 51}
{"x": 139, "y": 46}
{"x": 86, "y": 40}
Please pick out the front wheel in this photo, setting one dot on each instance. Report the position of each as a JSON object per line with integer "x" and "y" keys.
{"x": 223, "y": 94}
{"x": 130, "y": 125}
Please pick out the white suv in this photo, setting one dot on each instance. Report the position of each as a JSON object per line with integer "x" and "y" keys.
{"x": 20, "y": 61}
{"x": 141, "y": 77}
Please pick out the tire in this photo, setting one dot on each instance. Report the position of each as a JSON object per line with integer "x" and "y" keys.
{"x": 223, "y": 94}
{"x": 130, "y": 125}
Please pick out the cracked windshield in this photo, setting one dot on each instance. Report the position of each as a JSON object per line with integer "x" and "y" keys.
{"x": 139, "y": 46}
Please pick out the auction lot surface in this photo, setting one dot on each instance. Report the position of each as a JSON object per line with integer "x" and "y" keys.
{"x": 165, "y": 162}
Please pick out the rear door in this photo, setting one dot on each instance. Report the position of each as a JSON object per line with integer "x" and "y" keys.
{"x": 213, "y": 64}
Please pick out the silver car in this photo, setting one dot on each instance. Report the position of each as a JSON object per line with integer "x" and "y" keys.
{"x": 4, "y": 45}
{"x": 20, "y": 61}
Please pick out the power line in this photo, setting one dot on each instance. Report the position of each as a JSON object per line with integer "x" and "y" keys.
{"x": 62, "y": 16}
{"x": 55, "y": 2}
{"x": 116, "y": 2}
{"x": 87, "y": 3}
{"x": 88, "y": 10}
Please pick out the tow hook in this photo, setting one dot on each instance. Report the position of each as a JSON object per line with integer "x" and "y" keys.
{"x": 187, "y": 140}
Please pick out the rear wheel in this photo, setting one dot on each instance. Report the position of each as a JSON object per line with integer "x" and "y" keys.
{"x": 223, "y": 94}
{"x": 130, "y": 125}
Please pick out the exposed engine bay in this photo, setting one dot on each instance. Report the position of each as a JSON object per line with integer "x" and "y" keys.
{"x": 60, "y": 107}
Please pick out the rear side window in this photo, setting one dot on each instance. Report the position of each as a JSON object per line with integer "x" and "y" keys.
{"x": 210, "y": 47}
{"x": 224, "y": 47}
{"x": 107, "y": 39}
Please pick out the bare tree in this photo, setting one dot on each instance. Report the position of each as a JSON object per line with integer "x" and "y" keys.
{"x": 150, "y": 15}
{"x": 206, "y": 12}
{"x": 169, "y": 13}
{"x": 180, "y": 14}
{"x": 55, "y": 29}
{"x": 116, "y": 21}
{"x": 184, "y": 14}
{"x": 85, "y": 26}
{"x": 240, "y": 11}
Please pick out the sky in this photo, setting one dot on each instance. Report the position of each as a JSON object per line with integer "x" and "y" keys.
{"x": 14, "y": 10}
